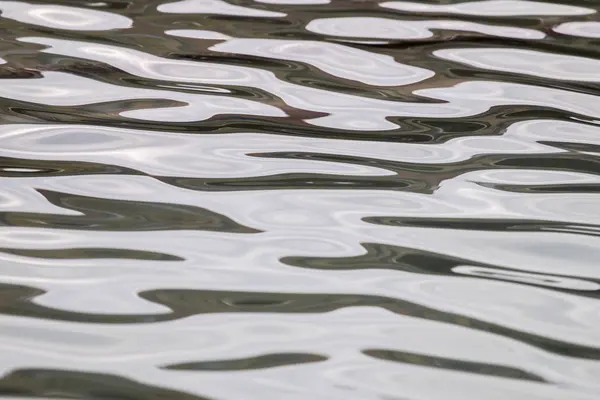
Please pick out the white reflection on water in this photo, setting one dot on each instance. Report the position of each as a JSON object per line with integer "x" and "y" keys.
{"x": 586, "y": 29}
{"x": 63, "y": 89}
{"x": 529, "y": 62}
{"x": 385, "y": 28}
{"x": 492, "y": 8}
{"x": 198, "y": 34}
{"x": 337, "y": 334}
{"x": 234, "y": 155}
{"x": 481, "y": 93}
{"x": 346, "y": 111}
{"x": 60, "y": 17}
{"x": 226, "y": 180}
{"x": 294, "y": 2}
{"x": 337, "y": 60}
{"x": 214, "y": 7}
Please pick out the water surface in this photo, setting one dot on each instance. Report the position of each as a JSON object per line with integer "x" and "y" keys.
{"x": 300, "y": 199}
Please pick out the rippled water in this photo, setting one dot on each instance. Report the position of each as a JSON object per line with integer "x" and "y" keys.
{"x": 300, "y": 199}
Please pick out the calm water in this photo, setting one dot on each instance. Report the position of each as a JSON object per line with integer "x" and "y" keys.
{"x": 300, "y": 199}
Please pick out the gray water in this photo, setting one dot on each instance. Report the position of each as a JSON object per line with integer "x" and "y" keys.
{"x": 300, "y": 199}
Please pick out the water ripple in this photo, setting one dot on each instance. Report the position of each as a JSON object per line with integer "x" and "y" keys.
{"x": 588, "y": 29}
{"x": 299, "y": 199}
{"x": 534, "y": 63}
{"x": 60, "y": 17}
{"x": 384, "y": 28}
{"x": 492, "y": 8}
{"x": 214, "y": 7}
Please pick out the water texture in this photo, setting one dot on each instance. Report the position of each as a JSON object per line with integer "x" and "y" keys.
{"x": 300, "y": 199}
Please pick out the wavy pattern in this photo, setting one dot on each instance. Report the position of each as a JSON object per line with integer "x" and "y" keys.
{"x": 104, "y": 214}
{"x": 455, "y": 365}
{"x": 260, "y": 362}
{"x": 43, "y": 383}
{"x": 299, "y": 199}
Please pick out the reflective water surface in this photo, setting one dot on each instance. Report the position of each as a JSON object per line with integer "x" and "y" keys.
{"x": 300, "y": 199}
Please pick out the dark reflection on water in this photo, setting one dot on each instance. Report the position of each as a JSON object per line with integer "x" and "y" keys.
{"x": 299, "y": 199}
{"x": 107, "y": 214}
{"x": 91, "y": 253}
{"x": 457, "y": 365}
{"x": 186, "y": 303}
{"x": 48, "y": 383}
{"x": 264, "y": 361}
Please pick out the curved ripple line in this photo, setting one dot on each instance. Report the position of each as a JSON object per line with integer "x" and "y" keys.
{"x": 584, "y": 29}
{"x": 104, "y": 214}
{"x": 335, "y": 59}
{"x": 492, "y": 8}
{"x": 80, "y": 384}
{"x": 186, "y": 303}
{"x": 528, "y": 62}
{"x": 454, "y": 365}
{"x": 258, "y": 362}
{"x": 215, "y": 7}
{"x": 299, "y": 199}
{"x": 344, "y": 111}
{"x": 62, "y": 17}
{"x": 385, "y": 28}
